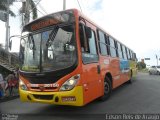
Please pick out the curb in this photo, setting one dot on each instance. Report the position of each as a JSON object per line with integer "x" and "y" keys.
{"x": 8, "y": 98}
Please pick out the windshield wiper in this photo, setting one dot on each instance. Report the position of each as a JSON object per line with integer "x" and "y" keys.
{"x": 52, "y": 36}
{"x": 31, "y": 42}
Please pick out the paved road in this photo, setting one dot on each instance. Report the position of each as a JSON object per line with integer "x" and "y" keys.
{"x": 142, "y": 96}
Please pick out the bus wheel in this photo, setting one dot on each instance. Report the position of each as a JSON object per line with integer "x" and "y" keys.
{"x": 107, "y": 89}
{"x": 130, "y": 80}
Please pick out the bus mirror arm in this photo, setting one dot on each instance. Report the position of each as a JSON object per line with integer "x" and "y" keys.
{"x": 10, "y": 40}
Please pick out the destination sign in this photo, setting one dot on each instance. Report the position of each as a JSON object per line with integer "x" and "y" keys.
{"x": 44, "y": 23}
{"x": 49, "y": 20}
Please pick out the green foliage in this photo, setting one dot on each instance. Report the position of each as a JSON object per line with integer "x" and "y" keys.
{"x": 26, "y": 11}
{"x": 3, "y": 7}
{"x": 34, "y": 9}
{"x": 141, "y": 65}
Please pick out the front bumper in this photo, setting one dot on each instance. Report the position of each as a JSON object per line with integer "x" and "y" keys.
{"x": 73, "y": 97}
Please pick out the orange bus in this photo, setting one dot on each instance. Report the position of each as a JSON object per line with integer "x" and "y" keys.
{"x": 68, "y": 60}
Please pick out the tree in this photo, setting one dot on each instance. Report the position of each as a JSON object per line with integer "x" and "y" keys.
{"x": 28, "y": 7}
{"x": 141, "y": 65}
{"x": 3, "y": 6}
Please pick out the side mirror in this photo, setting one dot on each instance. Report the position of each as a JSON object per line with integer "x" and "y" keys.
{"x": 69, "y": 47}
{"x": 88, "y": 32}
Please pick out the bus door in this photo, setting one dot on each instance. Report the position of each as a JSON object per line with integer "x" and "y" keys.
{"x": 90, "y": 66}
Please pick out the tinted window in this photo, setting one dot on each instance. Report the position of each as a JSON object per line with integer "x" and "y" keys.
{"x": 131, "y": 55}
{"x": 112, "y": 47}
{"x": 102, "y": 43}
{"x": 124, "y": 52}
{"x": 134, "y": 56}
{"x": 92, "y": 44}
{"x": 128, "y": 53}
{"x": 111, "y": 41}
{"x": 119, "y": 50}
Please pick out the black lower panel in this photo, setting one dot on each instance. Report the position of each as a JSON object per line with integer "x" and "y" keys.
{"x": 47, "y": 77}
{"x": 44, "y": 97}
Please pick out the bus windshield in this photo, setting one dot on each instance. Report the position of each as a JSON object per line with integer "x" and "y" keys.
{"x": 49, "y": 50}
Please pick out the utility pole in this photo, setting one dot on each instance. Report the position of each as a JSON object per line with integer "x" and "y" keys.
{"x": 7, "y": 27}
{"x": 64, "y": 4}
{"x": 157, "y": 59}
{"x": 26, "y": 14}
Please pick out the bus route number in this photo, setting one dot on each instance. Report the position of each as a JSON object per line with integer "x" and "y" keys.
{"x": 51, "y": 85}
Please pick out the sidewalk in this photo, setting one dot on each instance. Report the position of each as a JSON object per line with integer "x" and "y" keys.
{"x": 10, "y": 97}
{"x": 5, "y": 99}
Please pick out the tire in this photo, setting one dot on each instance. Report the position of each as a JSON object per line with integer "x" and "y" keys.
{"x": 150, "y": 73}
{"x": 107, "y": 89}
{"x": 130, "y": 80}
{"x": 158, "y": 73}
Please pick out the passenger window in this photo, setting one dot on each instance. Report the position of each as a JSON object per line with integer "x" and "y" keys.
{"x": 124, "y": 52}
{"x": 107, "y": 42}
{"x": 92, "y": 44}
{"x": 102, "y": 43}
{"x": 129, "y": 56}
{"x": 134, "y": 57}
{"x": 120, "y": 54}
{"x": 112, "y": 47}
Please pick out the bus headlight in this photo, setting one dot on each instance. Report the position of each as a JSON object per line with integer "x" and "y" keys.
{"x": 22, "y": 85}
{"x": 70, "y": 83}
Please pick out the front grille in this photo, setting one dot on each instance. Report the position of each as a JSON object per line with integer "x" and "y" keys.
{"x": 44, "y": 97}
{"x": 45, "y": 88}
{"x": 34, "y": 87}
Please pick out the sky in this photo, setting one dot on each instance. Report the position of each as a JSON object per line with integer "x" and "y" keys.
{"x": 136, "y": 23}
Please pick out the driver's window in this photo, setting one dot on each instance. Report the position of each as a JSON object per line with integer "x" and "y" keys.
{"x": 88, "y": 46}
